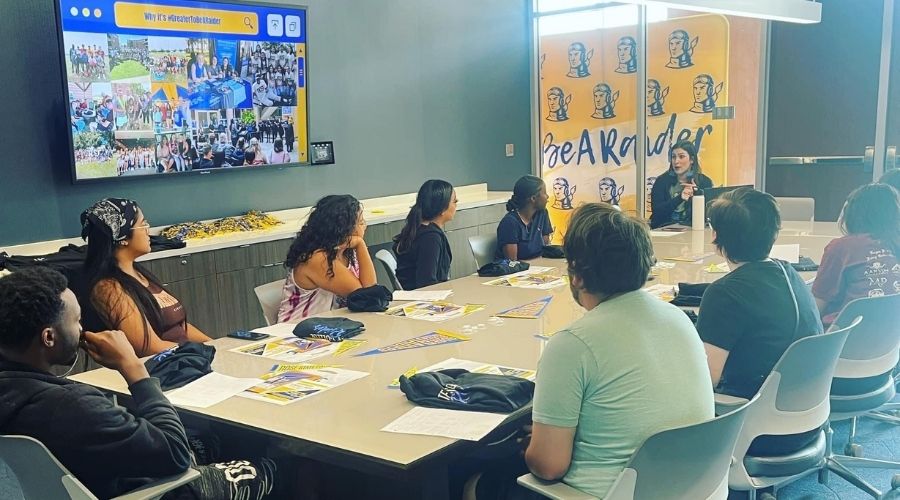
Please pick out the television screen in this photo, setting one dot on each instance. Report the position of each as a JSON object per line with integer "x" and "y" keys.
{"x": 165, "y": 87}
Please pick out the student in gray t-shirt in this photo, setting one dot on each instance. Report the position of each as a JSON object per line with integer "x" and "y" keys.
{"x": 631, "y": 367}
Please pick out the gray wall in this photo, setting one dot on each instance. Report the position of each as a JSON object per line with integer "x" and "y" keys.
{"x": 407, "y": 90}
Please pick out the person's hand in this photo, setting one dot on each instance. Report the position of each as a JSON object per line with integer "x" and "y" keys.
{"x": 687, "y": 190}
{"x": 112, "y": 350}
{"x": 355, "y": 241}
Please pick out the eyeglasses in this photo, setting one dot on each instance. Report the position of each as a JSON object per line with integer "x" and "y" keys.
{"x": 145, "y": 226}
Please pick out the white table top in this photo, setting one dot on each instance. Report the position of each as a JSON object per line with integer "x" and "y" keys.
{"x": 350, "y": 417}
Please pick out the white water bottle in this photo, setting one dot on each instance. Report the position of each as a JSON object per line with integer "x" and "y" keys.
{"x": 698, "y": 211}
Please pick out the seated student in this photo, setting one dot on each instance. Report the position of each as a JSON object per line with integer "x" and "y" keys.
{"x": 526, "y": 228}
{"x": 864, "y": 262}
{"x": 423, "y": 252}
{"x": 670, "y": 197}
{"x": 606, "y": 378}
{"x": 327, "y": 260}
{"x": 124, "y": 294}
{"x": 750, "y": 316}
{"x": 891, "y": 178}
{"x": 110, "y": 450}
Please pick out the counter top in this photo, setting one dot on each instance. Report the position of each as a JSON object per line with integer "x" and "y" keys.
{"x": 376, "y": 210}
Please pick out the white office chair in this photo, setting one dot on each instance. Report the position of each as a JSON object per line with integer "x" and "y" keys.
{"x": 669, "y": 465}
{"x": 41, "y": 476}
{"x": 389, "y": 263}
{"x": 797, "y": 209}
{"x": 793, "y": 399}
{"x": 269, "y": 296}
{"x": 869, "y": 356}
{"x": 484, "y": 247}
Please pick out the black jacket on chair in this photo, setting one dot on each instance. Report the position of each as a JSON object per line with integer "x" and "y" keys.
{"x": 663, "y": 203}
{"x": 426, "y": 261}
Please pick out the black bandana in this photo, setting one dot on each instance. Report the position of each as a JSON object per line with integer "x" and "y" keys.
{"x": 116, "y": 215}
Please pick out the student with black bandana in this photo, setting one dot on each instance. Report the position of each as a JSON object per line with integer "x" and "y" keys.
{"x": 125, "y": 295}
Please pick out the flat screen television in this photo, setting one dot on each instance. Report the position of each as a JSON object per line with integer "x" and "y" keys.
{"x": 174, "y": 87}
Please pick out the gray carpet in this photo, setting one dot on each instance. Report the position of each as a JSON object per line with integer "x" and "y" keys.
{"x": 879, "y": 440}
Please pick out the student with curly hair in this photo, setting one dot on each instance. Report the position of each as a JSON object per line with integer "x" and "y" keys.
{"x": 328, "y": 259}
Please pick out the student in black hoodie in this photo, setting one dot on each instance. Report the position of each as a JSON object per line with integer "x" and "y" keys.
{"x": 109, "y": 449}
{"x": 422, "y": 249}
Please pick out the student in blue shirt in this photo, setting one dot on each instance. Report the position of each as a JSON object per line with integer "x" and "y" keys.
{"x": 525, "y": 228}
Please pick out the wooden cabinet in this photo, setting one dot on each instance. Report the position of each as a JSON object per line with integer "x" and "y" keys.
{"x": 463, "y": 261}
{"x": 182, "y": 267}
{"x": 241, "y": 310}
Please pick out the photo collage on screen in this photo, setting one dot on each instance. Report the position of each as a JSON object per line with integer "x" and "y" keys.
{"x": 144, "y": 104}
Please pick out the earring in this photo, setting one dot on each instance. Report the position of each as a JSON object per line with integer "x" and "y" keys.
{"x": 123, "y": 243}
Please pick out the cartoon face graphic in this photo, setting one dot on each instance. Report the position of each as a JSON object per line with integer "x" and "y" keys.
{"x": 562, "y": 194}
{"x": 558, "y": 103}
{"x": 681, "y": 49}
{"x": 604, "y": 102}
{"x": 705, "y": 93}
{"x": 609, "y": 191}
{"x": 579, "y": 60}
{"x": 626, "y": 52}
{"x": 656, "y": 97}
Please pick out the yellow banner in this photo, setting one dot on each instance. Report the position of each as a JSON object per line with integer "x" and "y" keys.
{"x": 169, "y": 18}
{"x": 587, "y": 107}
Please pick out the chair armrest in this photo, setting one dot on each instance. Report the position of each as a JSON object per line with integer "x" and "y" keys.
{"x": 553, "y": 490}
{"x": 160, "y": 487}
{"x": 727, "y": 404}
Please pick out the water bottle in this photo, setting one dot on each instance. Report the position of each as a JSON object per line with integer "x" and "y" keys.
{"x": 698, "y": 211}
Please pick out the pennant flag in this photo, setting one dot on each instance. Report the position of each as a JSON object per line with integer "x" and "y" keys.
{"x": 436, "y": 337}
{"x": 299, "y": 367}
{"x": 346, "y": 345}
{"x": 533, "y": 310}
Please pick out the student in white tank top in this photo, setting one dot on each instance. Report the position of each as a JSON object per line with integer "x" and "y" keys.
{"x": 328, "y": 260}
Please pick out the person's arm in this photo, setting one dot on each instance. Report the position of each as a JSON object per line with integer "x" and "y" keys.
{"x": 194, "y": 334}
{"x": 549, "y": 453}
{"x": 715, "y": 360}
{"x": 150, "y": 443}
{"x": 548, "y": 228}
{"x": 508, "y": 238}
{"x": 559, "y": 392}
{"x": 428, "y": 254}
{"x": 718, "y": 323}
{"x": 661, "y": 205}
{"x": 343, "y": 282}
{"x": 829, "y": 283}
{"x": 118, "y": 310}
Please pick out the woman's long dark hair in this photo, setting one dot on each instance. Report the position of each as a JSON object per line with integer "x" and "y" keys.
{"x": 99, "y": 265}
{"x": 526, "y": 187}
{"x": 874, "y": 209}
{"x": 433, "y": 198}
{"x": 330, "y": 224}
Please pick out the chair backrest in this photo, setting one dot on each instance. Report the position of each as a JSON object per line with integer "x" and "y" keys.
{"x": 796, "y": 209}
{"x": 389, "y": 263}
{"x": 874, "y": 346}
{"x": 484, "y": 247}
{"x": 685, "y": 462}
{"x": 39, "y": 473}
{"x": 795, "y": 397}
{"x": 269, "y": 296}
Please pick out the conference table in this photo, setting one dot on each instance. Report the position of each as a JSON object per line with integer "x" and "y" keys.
{"x": 342, "y": 426}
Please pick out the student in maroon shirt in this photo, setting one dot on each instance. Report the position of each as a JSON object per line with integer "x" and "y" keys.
{"x": 864, "y": 262}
